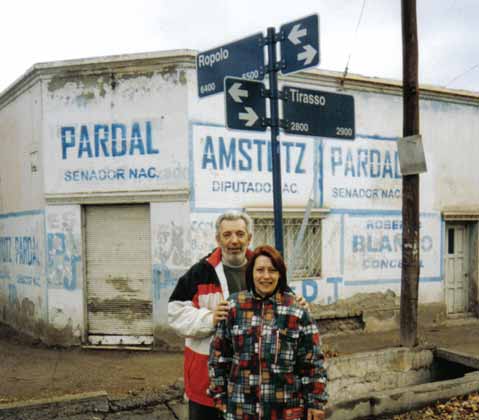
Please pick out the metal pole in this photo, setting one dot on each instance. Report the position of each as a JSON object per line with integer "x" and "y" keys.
{"x": 410, "y": 203}
{"x": 275, "y": 149}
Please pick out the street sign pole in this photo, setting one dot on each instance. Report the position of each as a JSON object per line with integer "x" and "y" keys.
{"x": 245, "y": 107}
{"x": 275, "y": 149}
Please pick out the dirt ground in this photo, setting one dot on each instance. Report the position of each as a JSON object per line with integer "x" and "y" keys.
{"x": 30, "y": 370}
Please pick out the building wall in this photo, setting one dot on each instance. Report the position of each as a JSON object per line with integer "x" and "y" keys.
{"x": 23, "y": 297}
{"x": 358, "y": 181}
{"x": 64, "y": 272}
{"x": 21, "y": 172}
{"x": 137, "y": 132}
{"x": 23, "y": 290}
{"x": 112, "y": 131}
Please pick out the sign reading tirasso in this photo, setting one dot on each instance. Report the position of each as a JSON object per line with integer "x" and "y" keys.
{"x": 233, "y": 169}
{"x": 107, "y": 156}
{"x": 363, "y": 174}
{"x": 372, "y": 247}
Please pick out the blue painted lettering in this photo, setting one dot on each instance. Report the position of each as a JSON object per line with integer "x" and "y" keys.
{"x": 367, "y": 163}
{"x": 384, "y": 263}
{"x": 209, "y": 154}
{"x": 103, "y": 140}
{"x": 85, "y": 146}
{"x": 250, "y": 187}
{"x": 309, "y": 290}
{"x": 245, "y": 162}
{"x": 118, "y": 135}
{"x": 68, "y": 139}
{"x": 26, "y": 250}
{"x": 220, "y": 153}
{"x": 299, "y": 163}
{"x": 136, "y": 142}
{"x": 5, "y": 249}
{"x": 150, "y": 149}
{"x": 227, "y": 158}
{"x": 100, "y": 141}
{"x": 385, "y": 243}
{"x": 369, "y": 193}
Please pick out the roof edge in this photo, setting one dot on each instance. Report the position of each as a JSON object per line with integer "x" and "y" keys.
{"x": 44, "y": 68}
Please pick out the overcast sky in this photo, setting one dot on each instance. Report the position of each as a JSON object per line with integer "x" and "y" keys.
{"x": 35, "y": 31}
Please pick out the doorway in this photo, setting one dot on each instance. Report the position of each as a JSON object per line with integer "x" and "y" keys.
{"x": 457, "y": 268}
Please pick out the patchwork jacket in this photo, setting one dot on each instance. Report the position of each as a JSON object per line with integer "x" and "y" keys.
{"x": 266, "y": 361}
{"x": 190, "y": 314}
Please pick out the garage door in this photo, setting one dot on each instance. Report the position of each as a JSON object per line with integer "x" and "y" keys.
{"x": 118, "y": 272}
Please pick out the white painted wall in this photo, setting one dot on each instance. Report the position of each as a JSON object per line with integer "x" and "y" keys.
{"x": 170, "y": 251}
{"x": 359, "y": 181}
{"x": 21, "y": 172}
{"x": 176, "y": 140}
{"x": 23, "y": 290}
{"x": 121, "y": 134}
{"x": 65, "y": 282}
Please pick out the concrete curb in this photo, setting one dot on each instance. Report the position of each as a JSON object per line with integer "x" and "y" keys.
{"x": 65, "y": 406}
{"x": 98, "y": 406}
{"x": 401, "y": 399}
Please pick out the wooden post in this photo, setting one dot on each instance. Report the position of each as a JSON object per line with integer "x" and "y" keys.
{"x": 410, "y": 202}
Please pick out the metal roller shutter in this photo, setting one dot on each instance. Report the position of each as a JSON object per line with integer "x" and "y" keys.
{"x": 118, "y": 272}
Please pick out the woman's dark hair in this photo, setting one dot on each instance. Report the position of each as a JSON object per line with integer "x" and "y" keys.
{"x": 276, "y": 260}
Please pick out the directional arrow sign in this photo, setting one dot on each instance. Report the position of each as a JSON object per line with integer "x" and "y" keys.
{"x": 243, "y": 58}
{"x": 300, "y": 44}
{"x": 245, "y": 104}
{"x": 315, "y": 113}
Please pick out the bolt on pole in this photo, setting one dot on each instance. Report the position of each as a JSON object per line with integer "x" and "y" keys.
{"x": 410, "y": 183}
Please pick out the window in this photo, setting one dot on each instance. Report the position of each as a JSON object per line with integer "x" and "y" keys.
{"x": 450, "y": 241}
{"x": 308, "y": 256}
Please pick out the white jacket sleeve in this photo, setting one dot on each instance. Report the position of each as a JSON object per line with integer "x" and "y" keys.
{"x": 189, "y": 321}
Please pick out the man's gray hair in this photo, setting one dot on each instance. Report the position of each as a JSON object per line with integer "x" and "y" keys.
{"x": 235, "y": 215}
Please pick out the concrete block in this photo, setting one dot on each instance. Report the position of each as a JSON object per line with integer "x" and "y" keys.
{"x": 458, "y": 357}
{"x": 402, "y": 399}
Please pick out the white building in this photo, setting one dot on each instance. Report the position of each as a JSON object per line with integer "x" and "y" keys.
{"x": 112, "y": 172}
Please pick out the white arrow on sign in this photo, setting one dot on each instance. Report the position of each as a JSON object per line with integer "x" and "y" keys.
{"x": 249, "y": 116}
{"x": 296, "y": 33}
{"x": 308, "y": 54}
{"x": 237, "y": 93}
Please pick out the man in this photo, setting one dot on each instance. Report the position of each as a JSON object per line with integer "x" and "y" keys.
{"x": 198, "y": 303}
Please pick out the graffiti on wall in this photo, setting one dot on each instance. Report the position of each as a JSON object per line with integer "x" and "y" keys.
{"x": 170, "y": 244}
{"x": 22, "y": 258}
{"x": 64, "y": 252}
{"x": 20, "y": 251}
{"x": 202, "y": 235}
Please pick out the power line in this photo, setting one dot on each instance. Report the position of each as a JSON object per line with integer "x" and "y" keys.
{"x": 460, "y": 75}
{"x": 352, "y": 48}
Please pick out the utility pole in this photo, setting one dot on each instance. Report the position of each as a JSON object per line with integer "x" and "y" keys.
{"x": 410, "y": 183}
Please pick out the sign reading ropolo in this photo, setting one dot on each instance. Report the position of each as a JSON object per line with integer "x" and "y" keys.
{"x": 243, "y": 58}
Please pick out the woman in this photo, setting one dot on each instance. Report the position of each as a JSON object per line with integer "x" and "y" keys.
{"x": 265, "y": 358}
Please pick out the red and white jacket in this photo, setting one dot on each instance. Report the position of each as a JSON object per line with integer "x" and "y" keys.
{"x": 190, "y": 314}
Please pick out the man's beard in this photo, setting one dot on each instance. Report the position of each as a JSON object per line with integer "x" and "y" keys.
{"x": 234, "y": 260}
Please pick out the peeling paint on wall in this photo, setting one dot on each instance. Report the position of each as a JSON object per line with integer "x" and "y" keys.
{"x": 170, "y": 240}
{"x": 64, "y": 250}
{"x": 22, "y": 268}
{"x": 65, "y": 269}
